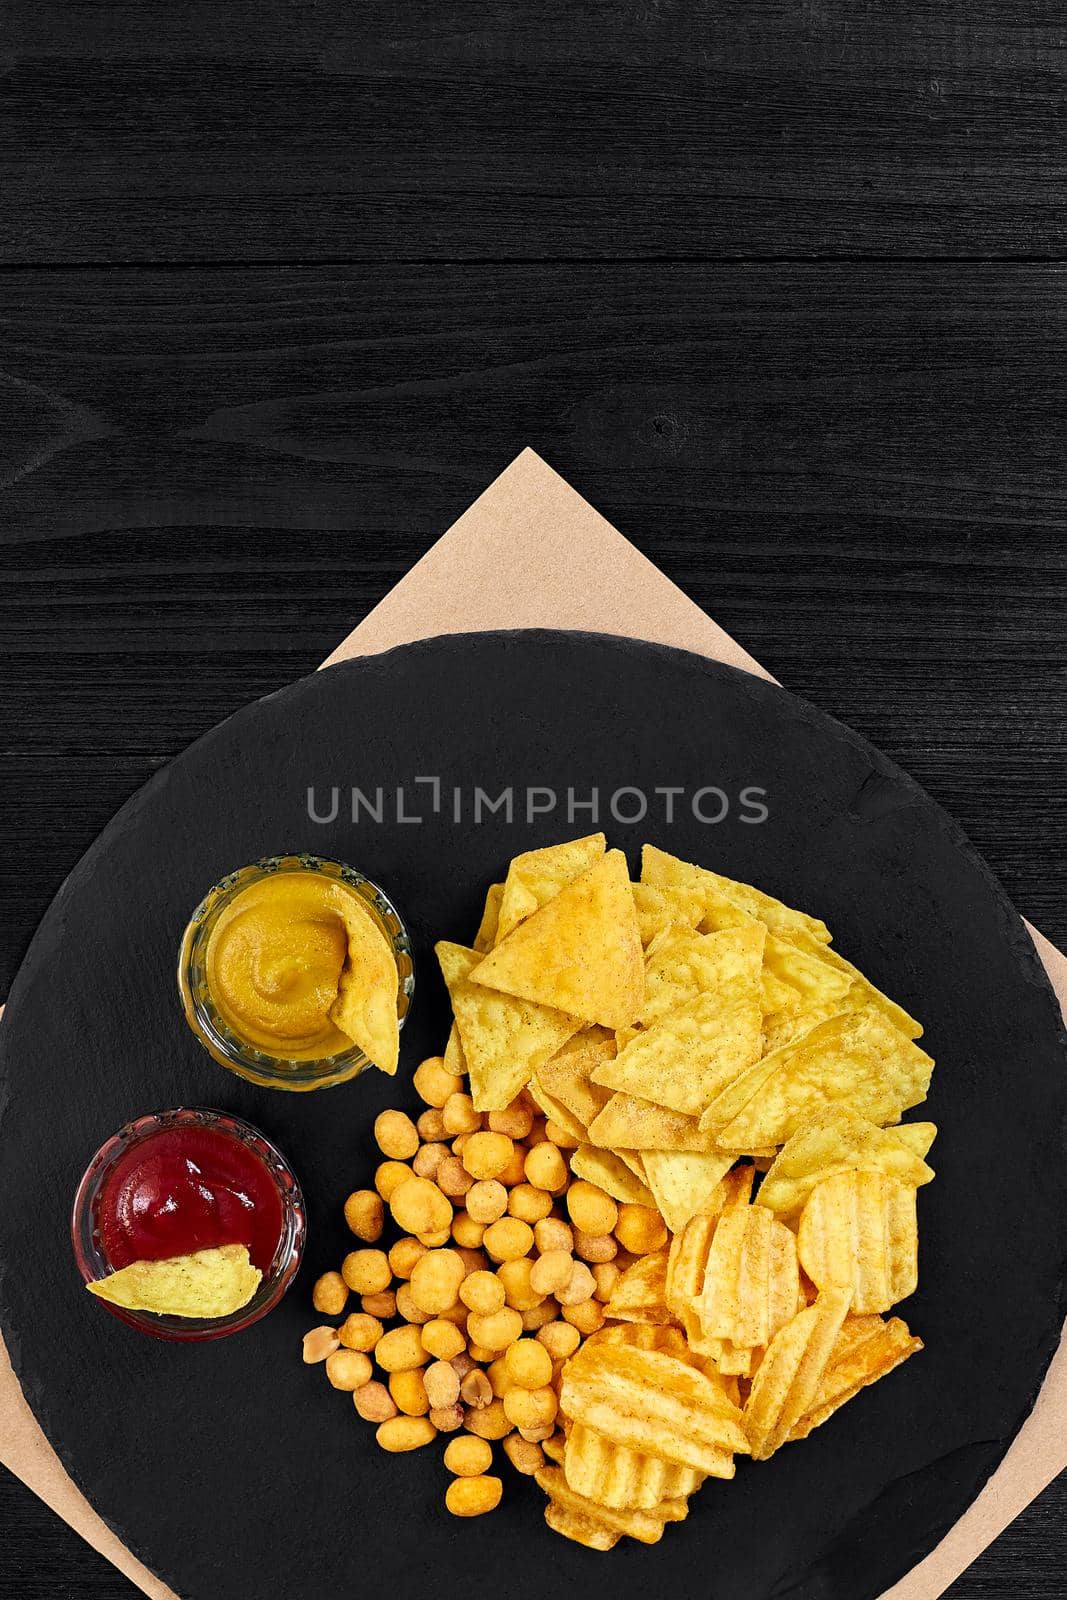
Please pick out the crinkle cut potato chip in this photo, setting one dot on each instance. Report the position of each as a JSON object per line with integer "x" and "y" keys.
{"x": 859, "y": 1059}
{"x": 867, "y": 1348}
{"x": 836, "y": 1139}
{"x": 789, "y": 1375}
{"x": 692, "y": 1053}
{"x": 537, "y": 876}
{"x": 578, "y": 1527}
{"x": 504, "y": 1039}
{"x": 207, "y": 1283}
{"x": 580, "y": 953}
{"x": 684, "y": 1181}
{"x": 645, "y": 1526}
{"x": 653, "y": 1403}
{"x": 626, "y": 1479}
{"x": 751, "y": 1282}
{"x": 858, "y": 1232}
{"x": 365, "y": 1008}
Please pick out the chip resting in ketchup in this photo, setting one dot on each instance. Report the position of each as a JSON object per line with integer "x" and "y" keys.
{"x": 208, "y": 1283}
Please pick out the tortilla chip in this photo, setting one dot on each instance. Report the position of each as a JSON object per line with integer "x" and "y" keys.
{"x": 580, "y": 953}
{"x": 555, "y": 1111}
{"x": 455, "y": 1062}
{"x": 653, "y": 909}
{"x": 774, "y": 914}
{"x": 690, "y": 1055}
{"x": 610, "y": 1171}
{"x": 863, "y": 993}
{"x": 537, "y": 876}
{"x": 834, "y": 1140}
{"x": 858, "y": 1058}
{"x": 486, "y": 937}
{"x": 639, "y": 1294}
{"x": 683, "y": 1182}
{"x": 366, "y": 1004}
{"x": 681, "y": 964}
{"x": 811, "y": 980}
{"x": 207, "y": 1283}
{"x": 504, "y": 1040}
{"x": 637, "y": 1124}
{"x": 568, "y": 1075}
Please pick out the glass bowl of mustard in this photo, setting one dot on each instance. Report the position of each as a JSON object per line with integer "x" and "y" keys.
{"x": 275, "y": 953}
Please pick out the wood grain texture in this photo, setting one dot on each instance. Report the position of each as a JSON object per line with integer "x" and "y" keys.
{"x": 211, "y": 476}
{"x": 562, "y": 128}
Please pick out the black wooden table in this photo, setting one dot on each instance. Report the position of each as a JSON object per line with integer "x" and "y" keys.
{"x": 779, "y": 287}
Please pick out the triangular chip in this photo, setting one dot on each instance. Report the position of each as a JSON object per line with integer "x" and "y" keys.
{"x": 683, "y": 1182}
{"x": 635, "y": 1124}
{"x": 916, "y": 1137}
{"x": 681, "y": 964}
{"x": 786, "y": 1027}
{"x": 811, "y": 980}
{"x": 863, "y": 992}
{"x": 610, "y": 1172}
{"x": 455, "y": 1062}
{"x": 858, "y": 1058}
{"x": 568, "y": 1075}
{"x": 207, "y": 1283}
{"x": 654, "y": 911}
{"x": 504, "y": 1040}
{"x": 690, "y": 1055}
{"x": 778, "y": 917}
{"x": 555, "y": 1110}
{"x": 580, "y": 953}
{"x": 867, "y": 1348}
{"x": 639, "y": 1294}
{"x": 487, "y": 934}
{"x": 537, "y": 876}
{"x": 365, "y": 1008}
{"x": 833, "y": 1140}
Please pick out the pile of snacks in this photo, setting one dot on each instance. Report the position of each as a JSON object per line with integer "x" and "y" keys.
{"x": 658, "y": 1203}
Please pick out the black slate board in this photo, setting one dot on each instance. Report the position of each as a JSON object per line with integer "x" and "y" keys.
{"x": 230, "y": 1468}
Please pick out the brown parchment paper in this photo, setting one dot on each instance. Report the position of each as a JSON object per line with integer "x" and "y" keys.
{"x": 529, "y": 553}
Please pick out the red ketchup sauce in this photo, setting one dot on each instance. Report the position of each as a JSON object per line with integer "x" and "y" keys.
{"x": 188, "y": 1188}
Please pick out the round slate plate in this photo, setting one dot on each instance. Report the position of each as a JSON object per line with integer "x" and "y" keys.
{"x": 231, "y": 1469}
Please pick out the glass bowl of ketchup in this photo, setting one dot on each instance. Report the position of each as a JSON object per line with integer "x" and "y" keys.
{"x": 175, "y": 1182}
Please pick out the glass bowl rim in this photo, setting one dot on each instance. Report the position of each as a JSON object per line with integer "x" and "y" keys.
{"x": 220, "y": 1041}
{"x": 288, "y": 1255}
